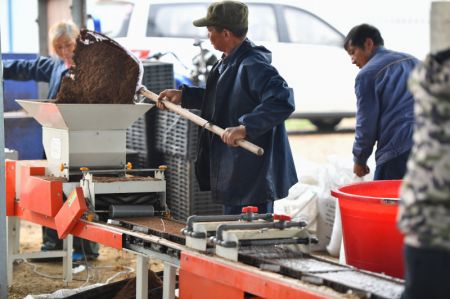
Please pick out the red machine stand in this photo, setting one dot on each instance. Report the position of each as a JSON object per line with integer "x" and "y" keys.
{"x": 38, "y": 193}
{"x": 70, "y": 213}
{"x": 202, "y": 276}
{"x": 40, "y": 200}
{"x": 10, "y": 176}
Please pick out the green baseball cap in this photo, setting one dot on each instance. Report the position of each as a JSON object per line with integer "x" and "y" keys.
{"x": 231, "y": 15}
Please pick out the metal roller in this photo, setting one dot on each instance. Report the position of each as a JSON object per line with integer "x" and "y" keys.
{"x": 119, "y": 211}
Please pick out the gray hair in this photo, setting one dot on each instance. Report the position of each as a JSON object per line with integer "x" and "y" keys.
{"x": 66, "y": 28}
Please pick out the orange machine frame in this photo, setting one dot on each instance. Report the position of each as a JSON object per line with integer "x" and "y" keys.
{"x": 202, "y": 276}
{"x": 10, "y": 174}
{"x": 40, "y": 200}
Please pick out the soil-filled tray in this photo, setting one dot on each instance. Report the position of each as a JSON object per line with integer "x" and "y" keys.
{"x": 166, "y": 228}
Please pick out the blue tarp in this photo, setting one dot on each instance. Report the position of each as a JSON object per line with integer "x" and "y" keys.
{"x": 23, "y": 134}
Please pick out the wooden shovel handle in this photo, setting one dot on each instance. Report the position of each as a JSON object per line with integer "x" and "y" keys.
{"x": 199, "y": 121}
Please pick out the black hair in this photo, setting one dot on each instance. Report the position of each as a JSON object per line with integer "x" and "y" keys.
{"x": 442, "y": 56}
{"x": 237, "y": 32}
{"x": 358, "y": 35}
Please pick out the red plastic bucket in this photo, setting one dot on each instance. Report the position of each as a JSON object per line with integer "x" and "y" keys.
{"x": 371, "y": 238}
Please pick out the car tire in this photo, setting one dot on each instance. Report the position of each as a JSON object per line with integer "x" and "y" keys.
{"x": 326, "y": 124}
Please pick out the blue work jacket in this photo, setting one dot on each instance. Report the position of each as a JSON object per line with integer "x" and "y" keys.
{"x": 385, "y": 107}
{"x": 247, "y": 90}
{"x": 42, "y": 69}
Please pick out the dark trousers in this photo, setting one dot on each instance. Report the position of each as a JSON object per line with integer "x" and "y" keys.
{"x": 52, "y": 242}
{"x": 427, "y": 273}
{"x": 394, "y": 169}
{"x": 236, "y": 210}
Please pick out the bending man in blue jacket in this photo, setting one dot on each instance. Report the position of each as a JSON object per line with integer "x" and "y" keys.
{"x": 246, "y": 95}
{"x": 385, "y": 107}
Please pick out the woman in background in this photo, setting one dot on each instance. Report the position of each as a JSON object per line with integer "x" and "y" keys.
{"x": 49, "y": 69}
{"x": 52, "y": 69}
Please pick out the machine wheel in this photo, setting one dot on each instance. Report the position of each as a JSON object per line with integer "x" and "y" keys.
{"x": 326, "y": 124}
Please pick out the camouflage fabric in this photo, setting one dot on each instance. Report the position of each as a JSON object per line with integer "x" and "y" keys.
{"x": 425, "y": 207}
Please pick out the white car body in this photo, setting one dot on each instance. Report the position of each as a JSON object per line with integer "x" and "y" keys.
{"x": 319, "y": 70}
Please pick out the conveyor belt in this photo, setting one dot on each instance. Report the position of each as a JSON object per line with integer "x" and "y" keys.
{"x": 148, "y": 237}
{"x": 322, "y": 272}
{"x": 168, "y": 229}
{"x": 163, "y": 236}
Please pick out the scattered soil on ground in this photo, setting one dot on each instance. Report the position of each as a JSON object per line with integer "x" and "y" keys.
{"x": 29, "y": 278}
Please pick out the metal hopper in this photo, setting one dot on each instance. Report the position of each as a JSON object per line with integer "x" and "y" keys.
{"x": 84, "y": 135}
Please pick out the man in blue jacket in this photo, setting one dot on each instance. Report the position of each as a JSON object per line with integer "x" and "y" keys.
{"x": 244, "y": 94}
{"x": 385, "y": 112}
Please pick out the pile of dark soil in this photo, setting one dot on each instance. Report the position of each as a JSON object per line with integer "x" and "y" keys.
{"x": 124, "y": 289}
{"x": 104, "y": 73}
{"x": 154, "y": 287}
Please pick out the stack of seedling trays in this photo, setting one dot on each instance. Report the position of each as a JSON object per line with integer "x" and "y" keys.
{"x": 141, "y": 135}
{"x": 177, "y": 139}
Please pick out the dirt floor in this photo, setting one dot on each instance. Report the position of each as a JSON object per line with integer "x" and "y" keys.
{"x": 31, "y": 278}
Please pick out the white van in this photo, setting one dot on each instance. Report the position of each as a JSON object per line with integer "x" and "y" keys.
{"x": 306, "y": 49}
